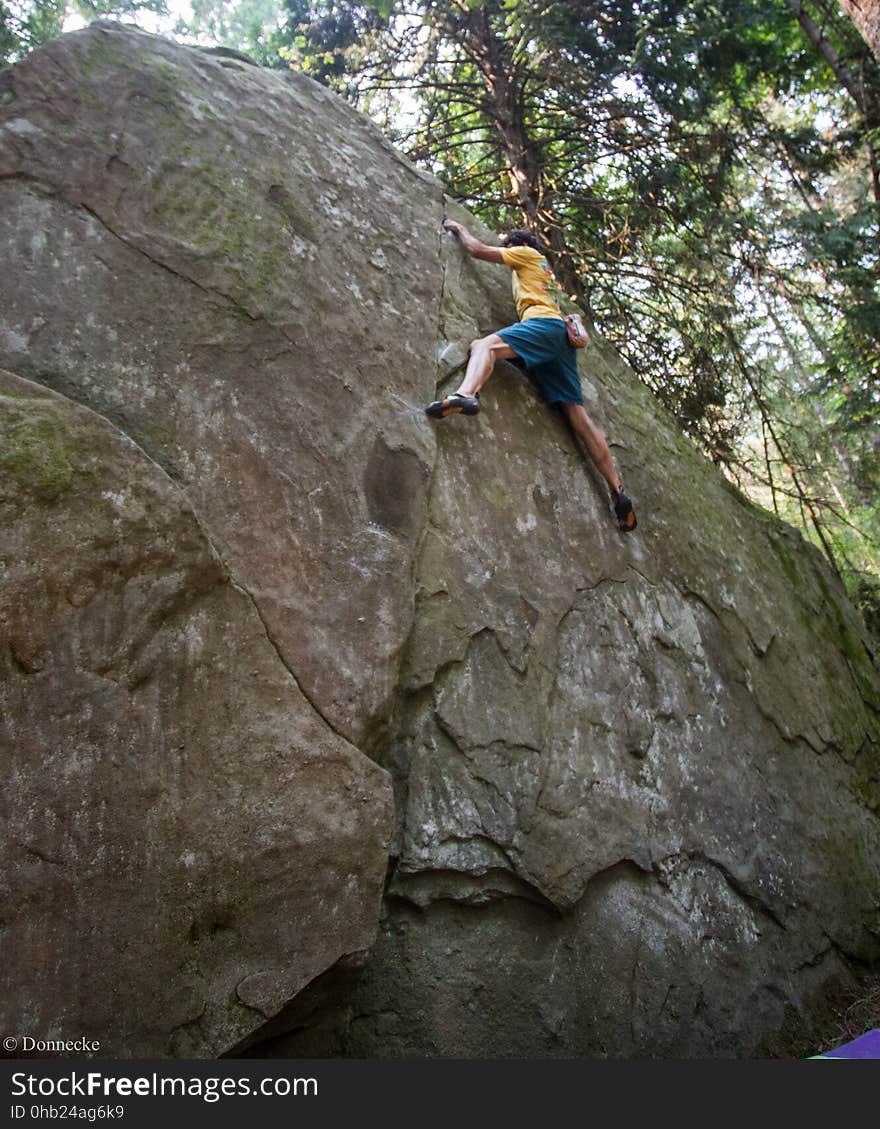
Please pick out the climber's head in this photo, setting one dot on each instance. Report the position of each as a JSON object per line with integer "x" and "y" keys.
{"x": 521, "y": 238}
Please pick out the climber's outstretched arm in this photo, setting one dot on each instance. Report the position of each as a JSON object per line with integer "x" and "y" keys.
{"x": 474, "y": 247}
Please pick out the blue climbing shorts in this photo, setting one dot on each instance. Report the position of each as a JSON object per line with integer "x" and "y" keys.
{"x": 542, "y": 346}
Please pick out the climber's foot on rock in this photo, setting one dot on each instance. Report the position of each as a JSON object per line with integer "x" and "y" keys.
{"x": 624, "y": 512}
{"x": 450, "y": 405}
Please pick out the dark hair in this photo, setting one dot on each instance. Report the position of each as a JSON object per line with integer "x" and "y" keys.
{"x": 521, "y": 238}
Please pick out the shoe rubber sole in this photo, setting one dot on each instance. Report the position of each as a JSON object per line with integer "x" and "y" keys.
{"x": 440, "y": 409}
{"x": 623, "y": 511}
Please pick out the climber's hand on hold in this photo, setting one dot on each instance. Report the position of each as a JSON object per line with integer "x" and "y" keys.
{"x": 474, "y": 247}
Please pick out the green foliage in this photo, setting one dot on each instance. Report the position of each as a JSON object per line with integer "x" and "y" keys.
{"x": 326, "y": 40}
{"x": 28, "y": 24}
{"x": 25, "y": 25}
{"x": 251, "y": 26}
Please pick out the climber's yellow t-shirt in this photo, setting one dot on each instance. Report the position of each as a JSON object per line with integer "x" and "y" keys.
{"x": 534, "y": 287}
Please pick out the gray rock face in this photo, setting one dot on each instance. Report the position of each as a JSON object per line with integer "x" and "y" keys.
{"x": 188, "y": 844}
{"x": 192, "y": 840}
{"x": 249, "y": 291}
{"x": 635, "y": 778}
{"x": 637, "y": 781}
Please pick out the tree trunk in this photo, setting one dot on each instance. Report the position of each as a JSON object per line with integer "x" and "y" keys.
{"x": 817, "y": 37}
{"x": 865, "y": 14}
{"x": 503, "y": 105}
{"x": 852, "y": 83}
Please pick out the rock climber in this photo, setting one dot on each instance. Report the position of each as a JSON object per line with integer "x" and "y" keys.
{"x": 539, "y": 342}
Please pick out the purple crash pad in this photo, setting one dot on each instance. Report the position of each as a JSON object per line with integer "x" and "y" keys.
{"x": 866, "y": 1046}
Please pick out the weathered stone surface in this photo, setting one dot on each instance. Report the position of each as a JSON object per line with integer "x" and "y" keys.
{"x": 636, "y": 778}
{"x": 187, "y": 844}
{"x": 253, "y": 307}
{"x": 667, "y": 743}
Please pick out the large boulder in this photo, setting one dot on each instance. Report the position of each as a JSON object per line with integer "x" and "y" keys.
{"x": 188, "y": 843}
{"x": 191, "y": 836}
{"x": 231, "y": 266}
{"x": 637, "y": 782}
{"x": 635, "y": 778}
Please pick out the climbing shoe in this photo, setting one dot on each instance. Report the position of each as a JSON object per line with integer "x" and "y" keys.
{"x": 450, "y": 405}
{"x": 624, "y": 512}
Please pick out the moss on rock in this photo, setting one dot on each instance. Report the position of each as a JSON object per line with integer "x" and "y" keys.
{"x": 38, "y": 453}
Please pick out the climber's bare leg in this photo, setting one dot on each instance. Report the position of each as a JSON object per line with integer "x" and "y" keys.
{"x": 595, "y": 442}
{"x": 483, "y": 355}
